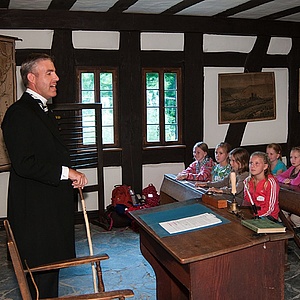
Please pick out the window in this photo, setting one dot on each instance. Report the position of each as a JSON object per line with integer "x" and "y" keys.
{"x": 99, "y": 86}
{"x": 162, "y": 98}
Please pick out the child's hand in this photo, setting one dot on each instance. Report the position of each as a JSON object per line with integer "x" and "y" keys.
{"x": 181, "y": 176}
{"x": 201, "y": 184}
{"x": 287, "y": 181}
{"x": 215, "y": 190}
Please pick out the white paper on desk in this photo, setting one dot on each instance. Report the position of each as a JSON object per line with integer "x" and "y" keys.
{"x": 189, "y": 223}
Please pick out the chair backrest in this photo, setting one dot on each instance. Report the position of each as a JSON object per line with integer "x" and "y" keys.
{"x": 17, "y": 263}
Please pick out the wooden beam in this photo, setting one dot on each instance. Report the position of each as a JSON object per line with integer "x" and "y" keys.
{"x": 294, "y": 95}
{"x": 61, "y": 4}
{"x": 193, "y": 98}
{"x": 242, "y": 7}
{"x": 59, "y": 19}
{"x": 130, "y": 108}
{"x": 121, "y": 5}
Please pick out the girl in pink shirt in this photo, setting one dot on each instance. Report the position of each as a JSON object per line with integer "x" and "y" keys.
{"x": 201, "y": 168}
{"x": 292, "y": 175}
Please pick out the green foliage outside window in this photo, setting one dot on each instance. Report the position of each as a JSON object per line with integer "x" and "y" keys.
{"x": 105, "y": 97}
{"x": 161, "y": 107}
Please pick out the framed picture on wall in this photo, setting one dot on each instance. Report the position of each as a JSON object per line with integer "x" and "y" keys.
{"x": 246, "y": 97}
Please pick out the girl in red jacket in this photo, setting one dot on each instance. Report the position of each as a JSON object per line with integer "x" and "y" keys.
{"x": 261, "y": 188}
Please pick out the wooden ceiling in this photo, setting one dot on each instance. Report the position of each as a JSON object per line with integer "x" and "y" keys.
{"x": 279, "y": 10}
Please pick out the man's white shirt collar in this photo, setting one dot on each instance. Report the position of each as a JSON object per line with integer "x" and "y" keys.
{"x": 35, "y": 95}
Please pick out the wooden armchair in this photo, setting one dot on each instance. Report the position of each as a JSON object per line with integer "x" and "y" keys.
{"x": 21, "y": 273}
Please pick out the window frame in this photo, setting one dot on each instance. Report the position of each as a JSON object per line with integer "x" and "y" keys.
{"x": 97, "y": 71}
{"x": 162, "y": 71}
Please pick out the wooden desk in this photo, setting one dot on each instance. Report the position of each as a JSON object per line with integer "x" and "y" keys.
{"x": 289, "y": 200}
{"x": 175, "y": 190}
{"x": 222, "y": 262}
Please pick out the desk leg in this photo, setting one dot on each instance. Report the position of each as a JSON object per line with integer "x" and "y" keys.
{"x": 289, "y": 226}
{"x": 167, "y": 286}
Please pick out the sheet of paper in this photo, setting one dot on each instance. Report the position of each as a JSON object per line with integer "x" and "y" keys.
{"x": 189, "y": 223}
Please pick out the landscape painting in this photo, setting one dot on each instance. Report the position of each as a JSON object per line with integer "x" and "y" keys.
{"x": 246, "y": 97}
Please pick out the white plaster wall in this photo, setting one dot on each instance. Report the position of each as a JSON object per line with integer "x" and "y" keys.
{"x": 112, "y": 176}
{"x": 32, "y": 39}
{"x": 227, "y": 43}
{"x": 162, "y": 41}
{"x": 3, "y": 193}
{"x": 106, "y": 40}
{"x": 154, "y": 173}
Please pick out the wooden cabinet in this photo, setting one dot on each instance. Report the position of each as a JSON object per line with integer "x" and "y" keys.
{"x": 7, "y": 88}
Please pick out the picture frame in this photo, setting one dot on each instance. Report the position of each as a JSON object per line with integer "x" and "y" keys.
{"x": 246, "y": 97}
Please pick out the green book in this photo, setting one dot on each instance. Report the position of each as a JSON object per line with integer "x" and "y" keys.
{"x": 263, "y": 226}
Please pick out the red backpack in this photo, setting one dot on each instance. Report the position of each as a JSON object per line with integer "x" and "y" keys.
{"x": 151, "y": 196}
{"x": 121, "y": 195}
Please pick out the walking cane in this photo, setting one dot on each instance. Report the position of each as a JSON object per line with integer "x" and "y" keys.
{"x": 88, "y": 233}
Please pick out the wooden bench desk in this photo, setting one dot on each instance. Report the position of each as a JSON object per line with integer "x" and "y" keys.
{"x": 222, "y": 262}
{"x": 289, "y": 200}
{"x": 175, "y": 190}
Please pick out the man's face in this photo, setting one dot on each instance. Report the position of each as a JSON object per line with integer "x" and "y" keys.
{"x": 43, "y": 79}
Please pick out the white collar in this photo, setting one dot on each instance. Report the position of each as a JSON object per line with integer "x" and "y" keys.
{"x": 35, "y": 95}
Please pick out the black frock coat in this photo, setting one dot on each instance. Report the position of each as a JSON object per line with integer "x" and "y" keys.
{"x": 40, "y": 205}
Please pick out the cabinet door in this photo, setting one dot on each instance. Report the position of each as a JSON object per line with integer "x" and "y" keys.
{"x": 7, "y": 88}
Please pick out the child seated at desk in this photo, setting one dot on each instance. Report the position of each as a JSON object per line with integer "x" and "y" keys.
{"x": 201, "y": 168}
{"x": 292, "y": 176}
{"x": 275, "y": 156}
{"x": 261, "y": 188}
{"x": 222, "y": 168}
{"x": 239, "y": 162}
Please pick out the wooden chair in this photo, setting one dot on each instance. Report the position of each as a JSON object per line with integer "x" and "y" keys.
{"x": 21, "y": 273}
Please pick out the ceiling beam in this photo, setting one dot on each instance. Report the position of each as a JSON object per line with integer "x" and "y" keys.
{"x": 242, "y": 7}
{"x": 180, "y": 6}
{"x": 59, "y": 19}
{"x": 121, "y": 6}
{"x": 4, "y": 3}
{"x": 282, "y": 14}
{"x": 61, "y": 4}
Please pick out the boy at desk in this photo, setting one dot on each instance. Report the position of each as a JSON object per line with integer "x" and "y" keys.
{"x": 239, "y": 161}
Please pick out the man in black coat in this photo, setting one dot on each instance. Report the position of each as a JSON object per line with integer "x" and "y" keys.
{"x": 40, "y": 195}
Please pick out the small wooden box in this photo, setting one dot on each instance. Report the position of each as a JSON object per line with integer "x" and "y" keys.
{"x": 214, "y": 200}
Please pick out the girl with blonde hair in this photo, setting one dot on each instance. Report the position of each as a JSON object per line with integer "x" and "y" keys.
{"x": 261, "y": 188}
